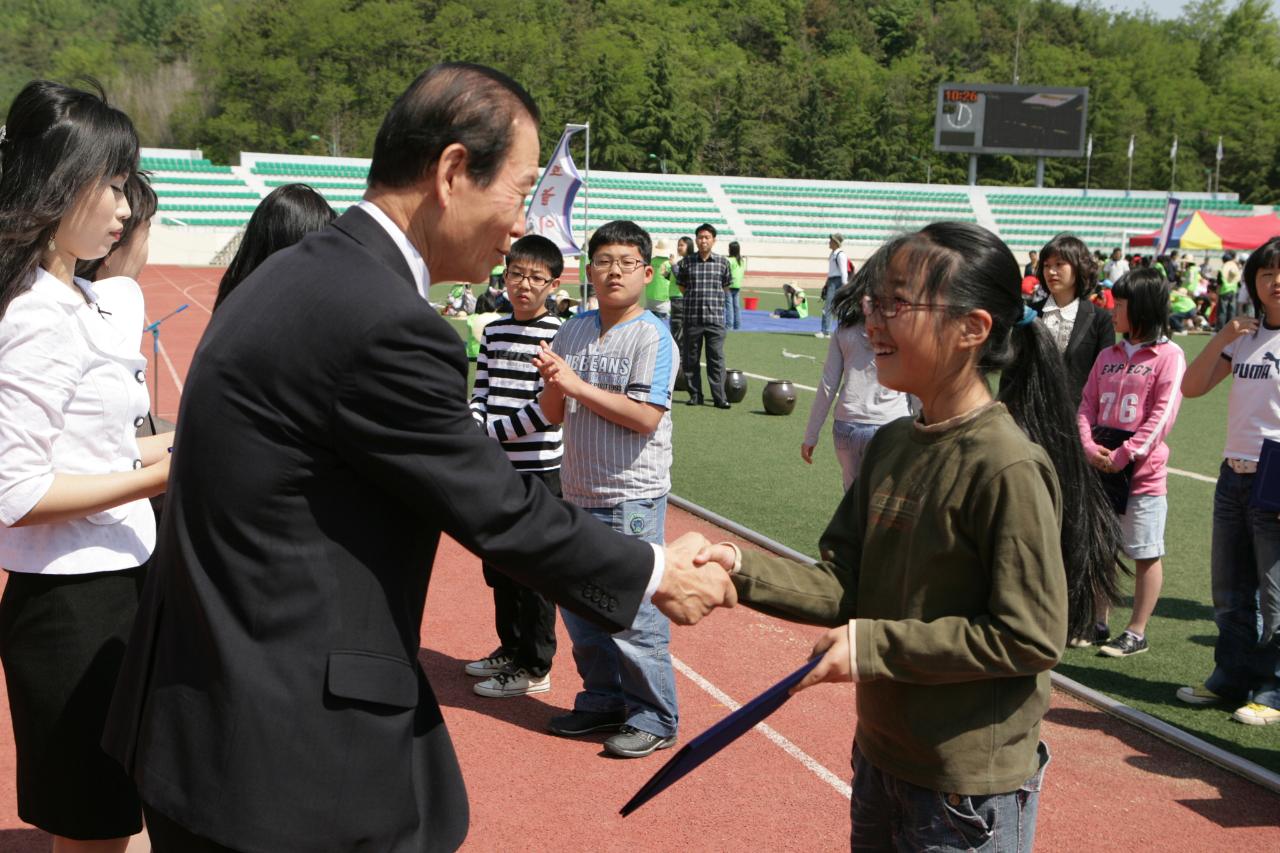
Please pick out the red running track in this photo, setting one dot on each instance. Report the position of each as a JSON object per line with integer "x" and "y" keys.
{"x": 1109, "y": 787}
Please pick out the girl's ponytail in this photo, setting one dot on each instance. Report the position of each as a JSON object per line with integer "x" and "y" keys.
{"x": 972, "y": 269}
{"x": 1034, "y": 388}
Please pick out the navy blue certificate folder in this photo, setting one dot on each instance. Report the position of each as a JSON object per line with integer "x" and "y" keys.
{"x": 1266, "y": 485}
{"x": 717, "y": 738}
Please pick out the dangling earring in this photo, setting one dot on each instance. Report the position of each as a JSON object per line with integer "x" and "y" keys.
{"x": 53, "y": 246}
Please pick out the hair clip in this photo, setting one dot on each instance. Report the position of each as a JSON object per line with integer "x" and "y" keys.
{"x": 2, "y": 133}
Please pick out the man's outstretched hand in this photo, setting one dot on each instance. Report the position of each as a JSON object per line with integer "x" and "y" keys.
{"x": 688, "y": 591}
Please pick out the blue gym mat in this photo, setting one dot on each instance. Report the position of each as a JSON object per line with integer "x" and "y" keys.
{"x": 763, "y": 321}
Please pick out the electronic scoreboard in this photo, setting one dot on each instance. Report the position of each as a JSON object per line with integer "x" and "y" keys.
{"x": 1035, "y": 121}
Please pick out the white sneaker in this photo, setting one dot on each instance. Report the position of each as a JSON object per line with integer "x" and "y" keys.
{"x": 495, "y": 663}
{"x": 819, "y": 335}
{"x": 516, "y": 682}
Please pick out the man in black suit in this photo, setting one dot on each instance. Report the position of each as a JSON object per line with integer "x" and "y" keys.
{"x": 271, "y": 699}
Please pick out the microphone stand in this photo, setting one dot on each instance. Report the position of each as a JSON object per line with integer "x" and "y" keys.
{"x": 154, "y": 329}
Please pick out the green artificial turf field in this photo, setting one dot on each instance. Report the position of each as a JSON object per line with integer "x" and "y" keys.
{"x": 745, "y": 465}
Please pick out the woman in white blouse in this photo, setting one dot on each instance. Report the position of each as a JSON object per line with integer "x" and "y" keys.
{"x": 75, "y": 523}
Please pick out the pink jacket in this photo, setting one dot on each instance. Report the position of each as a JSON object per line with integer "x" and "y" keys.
{"x": 1140, "y": 395}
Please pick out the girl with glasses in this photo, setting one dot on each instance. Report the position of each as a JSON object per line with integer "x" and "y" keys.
{"x": 944, "y": 572}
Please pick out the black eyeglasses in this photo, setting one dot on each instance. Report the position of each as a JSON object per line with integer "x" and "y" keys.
{"x": 514, "y": 278}
{"x": 891, "y": 306}
{"x": 626, "y": 265}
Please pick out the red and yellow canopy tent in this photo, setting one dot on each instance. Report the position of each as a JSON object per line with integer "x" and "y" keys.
{"x": 1209, "y": 231}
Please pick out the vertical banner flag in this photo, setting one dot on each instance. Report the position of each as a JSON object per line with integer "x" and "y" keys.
{"x": 1173, "y": 152}
{"x": 1130, "y": 147}
{"x": 1219, "y": 154}
{"x": 551, "y": 209}
{"x": 1088, "y": 151}
{"x": 1166, "y": 227}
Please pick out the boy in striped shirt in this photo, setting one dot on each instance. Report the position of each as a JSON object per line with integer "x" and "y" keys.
{"x": 609, "y": 375}
{"x": 505, "y": 403}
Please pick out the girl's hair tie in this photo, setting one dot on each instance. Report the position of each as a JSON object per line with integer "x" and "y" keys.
{"x": 1028, "y": 314}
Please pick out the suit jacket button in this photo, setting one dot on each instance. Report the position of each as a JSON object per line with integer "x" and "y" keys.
{"x": 613, "y": 604}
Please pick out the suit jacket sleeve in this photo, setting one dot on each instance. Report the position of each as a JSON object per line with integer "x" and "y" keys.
{"x": 401, "y": 416}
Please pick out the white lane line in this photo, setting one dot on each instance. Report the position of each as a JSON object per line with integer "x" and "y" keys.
{"x": 771, "y": 379}
{"x": 787, "y": 746}
{"x": 172, "y": 370}
{"x": 1193, "y": 475}
{"x": 768, "y": 378}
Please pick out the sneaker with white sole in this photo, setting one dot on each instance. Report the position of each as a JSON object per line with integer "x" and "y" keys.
{"x": 513, "y": 682}
{"x": 1198, "y": 695}
{"x": 498, "y": 661}
{"x": 1255, "y": 714}
{"x": 1126, "y": 645}
{"x": 631, "y": 742}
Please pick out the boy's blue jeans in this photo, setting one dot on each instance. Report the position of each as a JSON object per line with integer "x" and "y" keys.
{"x": 892, "y": 814}
{"x": 1245, "y": 566}
{"x": 631, "y": 669}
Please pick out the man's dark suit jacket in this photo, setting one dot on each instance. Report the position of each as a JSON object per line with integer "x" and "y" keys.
{"x": 271, "y": 698}
{"x": 1092, "y": 333}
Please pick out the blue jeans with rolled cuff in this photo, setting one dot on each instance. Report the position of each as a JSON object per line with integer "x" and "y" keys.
{"x": 632, "y": 669}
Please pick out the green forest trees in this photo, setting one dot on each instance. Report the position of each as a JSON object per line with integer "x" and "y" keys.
{"x": 838, "y": 89}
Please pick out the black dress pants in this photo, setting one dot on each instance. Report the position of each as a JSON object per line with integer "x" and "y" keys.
{"x": 525, "y": 619}
{"x": 694, "y": 336}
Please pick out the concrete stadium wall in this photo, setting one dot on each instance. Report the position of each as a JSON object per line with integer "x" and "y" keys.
{"x": 195, "y": 247}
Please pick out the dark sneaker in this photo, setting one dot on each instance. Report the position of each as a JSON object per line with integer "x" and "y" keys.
{"x": 498, "y": 661}
{"x": 1124, "y": 646}
{"x": 1198, "y": 695}
{"x": 631, "y": 742}
{"x": 1101, "y": 633}
{"x": 513, "y": 682}
{"x": 577, "y": 723}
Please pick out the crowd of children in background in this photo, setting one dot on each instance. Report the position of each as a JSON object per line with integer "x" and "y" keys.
{"x": 1203, "y": 295}
{"x": 608, "y": 374}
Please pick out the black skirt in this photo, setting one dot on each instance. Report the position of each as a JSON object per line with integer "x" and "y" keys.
{"x": 62, "y": 638}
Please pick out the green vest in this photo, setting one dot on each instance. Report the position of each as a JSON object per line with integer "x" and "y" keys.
{"x": 659, "y": 290}
{"x": 737, "y": 270}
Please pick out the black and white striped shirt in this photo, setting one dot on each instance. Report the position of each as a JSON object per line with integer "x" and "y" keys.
{"x": 504, "y": 399}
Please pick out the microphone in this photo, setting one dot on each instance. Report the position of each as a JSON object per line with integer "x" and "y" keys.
{"x": 157, "y": 323}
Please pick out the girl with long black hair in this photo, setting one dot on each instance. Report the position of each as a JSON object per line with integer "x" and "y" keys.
{"x": 75, "y": 523}
{"x": 284, "y": 217}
